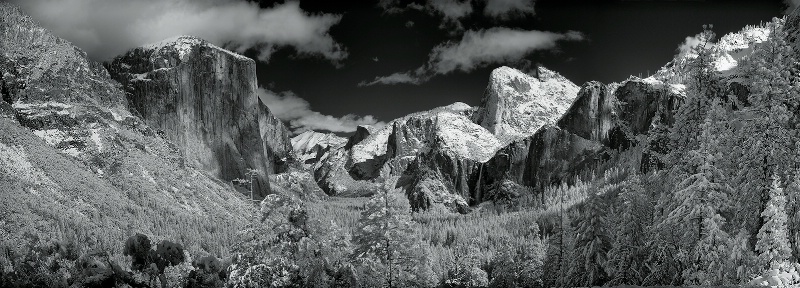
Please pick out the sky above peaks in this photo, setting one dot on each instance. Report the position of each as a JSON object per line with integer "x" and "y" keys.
{"x": 332, "y": 65}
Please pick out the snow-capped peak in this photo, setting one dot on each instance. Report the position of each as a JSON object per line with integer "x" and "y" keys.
{"x": 184, "y": 44}
{"x": 305, "y": 142}
{"x": 517, "y": 104}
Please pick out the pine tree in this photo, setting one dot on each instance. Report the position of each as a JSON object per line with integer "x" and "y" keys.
{"x": 704, "y": 85}
{"x": 591, "y": 245}
{"x": 627, "y": 255}
{"x": 385, "y": 236}
{"x": 699, "y": 200}
{"x": 560, "y": 251}
{"x": 793, "y": 213}
{"x": 773, "y": 242}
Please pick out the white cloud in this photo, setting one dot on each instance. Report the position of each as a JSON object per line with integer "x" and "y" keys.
{"x": 479, "y": 49}
{"x": 690, "y": 43}
{"x": 505, "y": 9}
{"x": 106, "y": 28}
{"x": 452, "y": 10}
{"x": 396, "y": 78}
{"x": 297, "y": 112}
{"x": 494, "y": 45}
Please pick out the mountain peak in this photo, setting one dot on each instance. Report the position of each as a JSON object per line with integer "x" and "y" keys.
{"x": 516, "y": 104}
{"x": 184, "y": 44}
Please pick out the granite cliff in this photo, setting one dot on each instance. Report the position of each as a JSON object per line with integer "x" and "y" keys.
{"x": 203, "y": 98}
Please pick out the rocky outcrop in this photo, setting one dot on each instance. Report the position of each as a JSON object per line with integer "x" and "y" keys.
{"x": 310, "y": 146}
{"x": 203, "y": 98}
{"x": 440, "y": 178}
{"x": 516, "y": 105}
{"x": 593, "y": 113}
{"x": 556, "y": 156}
{"x": 602, "y": 119}
{"x": 392, "y": 151}
{"x": 60, "y": 71}
{"x": 362, "y": 132}
{"x": 614, "y": 114}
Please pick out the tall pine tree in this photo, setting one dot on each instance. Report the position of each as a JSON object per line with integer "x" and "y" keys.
{"x": 385, "y": 241}
{"x": 591, "y": 245}
{"x": 773, "y": 241}
{"x": 699, "y": 200}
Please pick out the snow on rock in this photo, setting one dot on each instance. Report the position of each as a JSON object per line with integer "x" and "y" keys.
{"x": 375, "y": 145}
{"x": 52, "y": 136}
{"x": 184, "y": 45}
{"x": 96, "y": 137}
{"x": 727, "y": 53}
{"x": 469, "y": 140}
{"x": 305, "y": 141}
{"x": 516, "y": 105}
{"x": 308, "y": 144}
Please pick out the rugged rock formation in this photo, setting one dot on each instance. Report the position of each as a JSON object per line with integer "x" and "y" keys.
{"x": 311, "y": 146}
{"x": 362, "y": 132}
{"x": 390, "y": 151}
{"x": 203, "y": 98}
{"x": 556, "y": 155}
{"x": 515, "y": 104}
{"x": 614, "y": 114}
{"x": 440, "y": 177}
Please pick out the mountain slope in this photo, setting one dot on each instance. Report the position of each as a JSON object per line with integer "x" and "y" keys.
{"x": 75, "y": 165}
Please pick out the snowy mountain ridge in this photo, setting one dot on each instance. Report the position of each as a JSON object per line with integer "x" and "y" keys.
{"x": 728, "y": 50}
{"x": 516, "y": 104}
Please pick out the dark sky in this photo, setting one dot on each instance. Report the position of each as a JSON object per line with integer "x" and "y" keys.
{"x": 622, "y": 38}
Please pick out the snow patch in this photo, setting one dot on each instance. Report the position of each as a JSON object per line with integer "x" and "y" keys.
{"x": 72, "y": 151}
{"x": 679, "y": 89}
{"x": 469, "y": 140}
{"x": 51, "y": 136}
{"x": 24, "y": 106}
{"x": 97, "y": 139}
{"x": 116, "y": 115}
{"x": 140, "y": 77}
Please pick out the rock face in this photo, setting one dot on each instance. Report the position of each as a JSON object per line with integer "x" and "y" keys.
{"x": 603, "y": 118}
{"x": 393, "y": 150}
{"x": 311, "y": 146}
{"x": 516, "y": 105}
{"x": 362, "y": 132}
{"x": 614, "y": 114}
{"x": 203, "y": 98}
